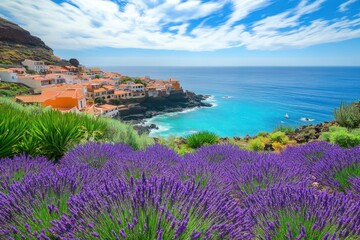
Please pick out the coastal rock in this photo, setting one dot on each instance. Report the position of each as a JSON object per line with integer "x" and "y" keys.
{"x": 175, "y": 102}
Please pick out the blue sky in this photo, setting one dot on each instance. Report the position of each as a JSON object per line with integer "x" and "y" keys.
{"x": 195, "y": 32}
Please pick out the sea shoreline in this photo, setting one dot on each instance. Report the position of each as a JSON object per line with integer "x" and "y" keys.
{"x": 138, "y": 114}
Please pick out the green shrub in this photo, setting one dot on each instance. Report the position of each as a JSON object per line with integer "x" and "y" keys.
{"x": 284, "y": 129}
{"x": 348, "y": 115}
{"x": 199, "y": 139}
{"x": 345, "y": 139}
{"x": 184, "y": 149}
{"x": 279, "y": 137}
{"x": 262, "y": 134}
{"x": 337, "y": 129}
{"x": 257, "y": 144}
{"x": 170, "y": 142}
{"x": 342, "y": 137}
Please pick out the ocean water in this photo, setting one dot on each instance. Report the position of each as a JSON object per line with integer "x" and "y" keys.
{"x": 248, "y": 100}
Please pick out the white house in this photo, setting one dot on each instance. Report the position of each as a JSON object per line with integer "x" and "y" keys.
{"x": 7, "y": 75}
{"x": 107, "y": 110}
{"x": 37, "y": 66}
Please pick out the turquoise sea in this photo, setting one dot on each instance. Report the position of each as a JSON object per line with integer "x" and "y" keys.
{"x": 248, "y": 100}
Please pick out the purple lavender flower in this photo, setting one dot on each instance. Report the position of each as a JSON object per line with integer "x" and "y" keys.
{"x": 95, "y": 154}
{"x": 154, "y": 160}
{"x": 303, "y": 213}
{"x": 15, "y": 169}
{"x": 32, "y": 203}
{"x": 264, "y": 171}
{"x": 156, "y": 203}
{"x": 337, "y": 167}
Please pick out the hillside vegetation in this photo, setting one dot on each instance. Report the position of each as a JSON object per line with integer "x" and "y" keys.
{"x": 17, "y": 44}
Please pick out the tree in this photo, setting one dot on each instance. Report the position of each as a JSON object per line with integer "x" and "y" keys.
{"x": 74, "y": 62}
{"x": 100, "y": 100}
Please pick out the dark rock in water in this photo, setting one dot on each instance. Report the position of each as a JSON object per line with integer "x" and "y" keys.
{"x": 175, "y": 102}
{"x": 141, "y": 129}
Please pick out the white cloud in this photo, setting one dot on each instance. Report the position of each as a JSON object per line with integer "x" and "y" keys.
{"x": 345, "y": 6}
{"x": 176, "y": 24}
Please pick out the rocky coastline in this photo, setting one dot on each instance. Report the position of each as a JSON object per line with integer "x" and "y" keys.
{"x": 136, "y": 114}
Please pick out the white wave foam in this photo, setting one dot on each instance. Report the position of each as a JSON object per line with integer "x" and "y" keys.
{"x": 307, "y": 119}
{"x": 182, "y": 112}
{"x": 212, "y": 100}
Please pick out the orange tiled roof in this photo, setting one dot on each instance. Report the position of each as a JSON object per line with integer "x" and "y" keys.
{"x": 100, "y": 90}
{"x": 120, "y": 92}
{"x": 46, "y": 95}
{"x": 33, "y": 98}
{"x": 107, "y": 107}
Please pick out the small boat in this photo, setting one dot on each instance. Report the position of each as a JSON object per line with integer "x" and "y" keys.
{"x": 286, "y": 116}
{"x": 226, "y": 97}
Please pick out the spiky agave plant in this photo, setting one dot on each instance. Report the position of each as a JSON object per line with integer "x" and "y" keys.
{"x": 154, "y": 208}
{"x": 12, "y": 128}
{"x": 300, "y": 213}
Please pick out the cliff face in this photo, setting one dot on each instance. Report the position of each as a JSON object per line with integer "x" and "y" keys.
{"x": 17, "y": 44}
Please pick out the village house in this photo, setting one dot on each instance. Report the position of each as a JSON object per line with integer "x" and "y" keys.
{"x": 7, "y": 75}
{"x": 175, "y": 84}
{"x": 40, "y": 81}
{"x": 122, "y": 95}
{"x": 107, "y": 110}
{"x": 136, "y": 90}
{"x": 113, "y": 76}
{"x": 151, "y": 91}
{"x": 37, "y": 66}
{"x": 93, "y": 72}
{"x": 60, "y": 99}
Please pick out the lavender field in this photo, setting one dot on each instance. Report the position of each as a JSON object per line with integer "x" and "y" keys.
{"x": 106, "y": 191}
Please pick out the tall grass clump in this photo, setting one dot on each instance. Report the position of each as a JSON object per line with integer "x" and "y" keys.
{"x": 199, "y": 139}
{"x": 347, "y": 115}
{"x": 119, "y": 132}
{"x": 284, "y": 129}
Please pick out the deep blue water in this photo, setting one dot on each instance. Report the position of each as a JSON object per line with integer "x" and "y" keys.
{"x": 258, "y": 97}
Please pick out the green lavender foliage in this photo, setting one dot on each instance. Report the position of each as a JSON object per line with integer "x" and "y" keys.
{"x": 343, "y": 176}
{"x": 347, "y": 115}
